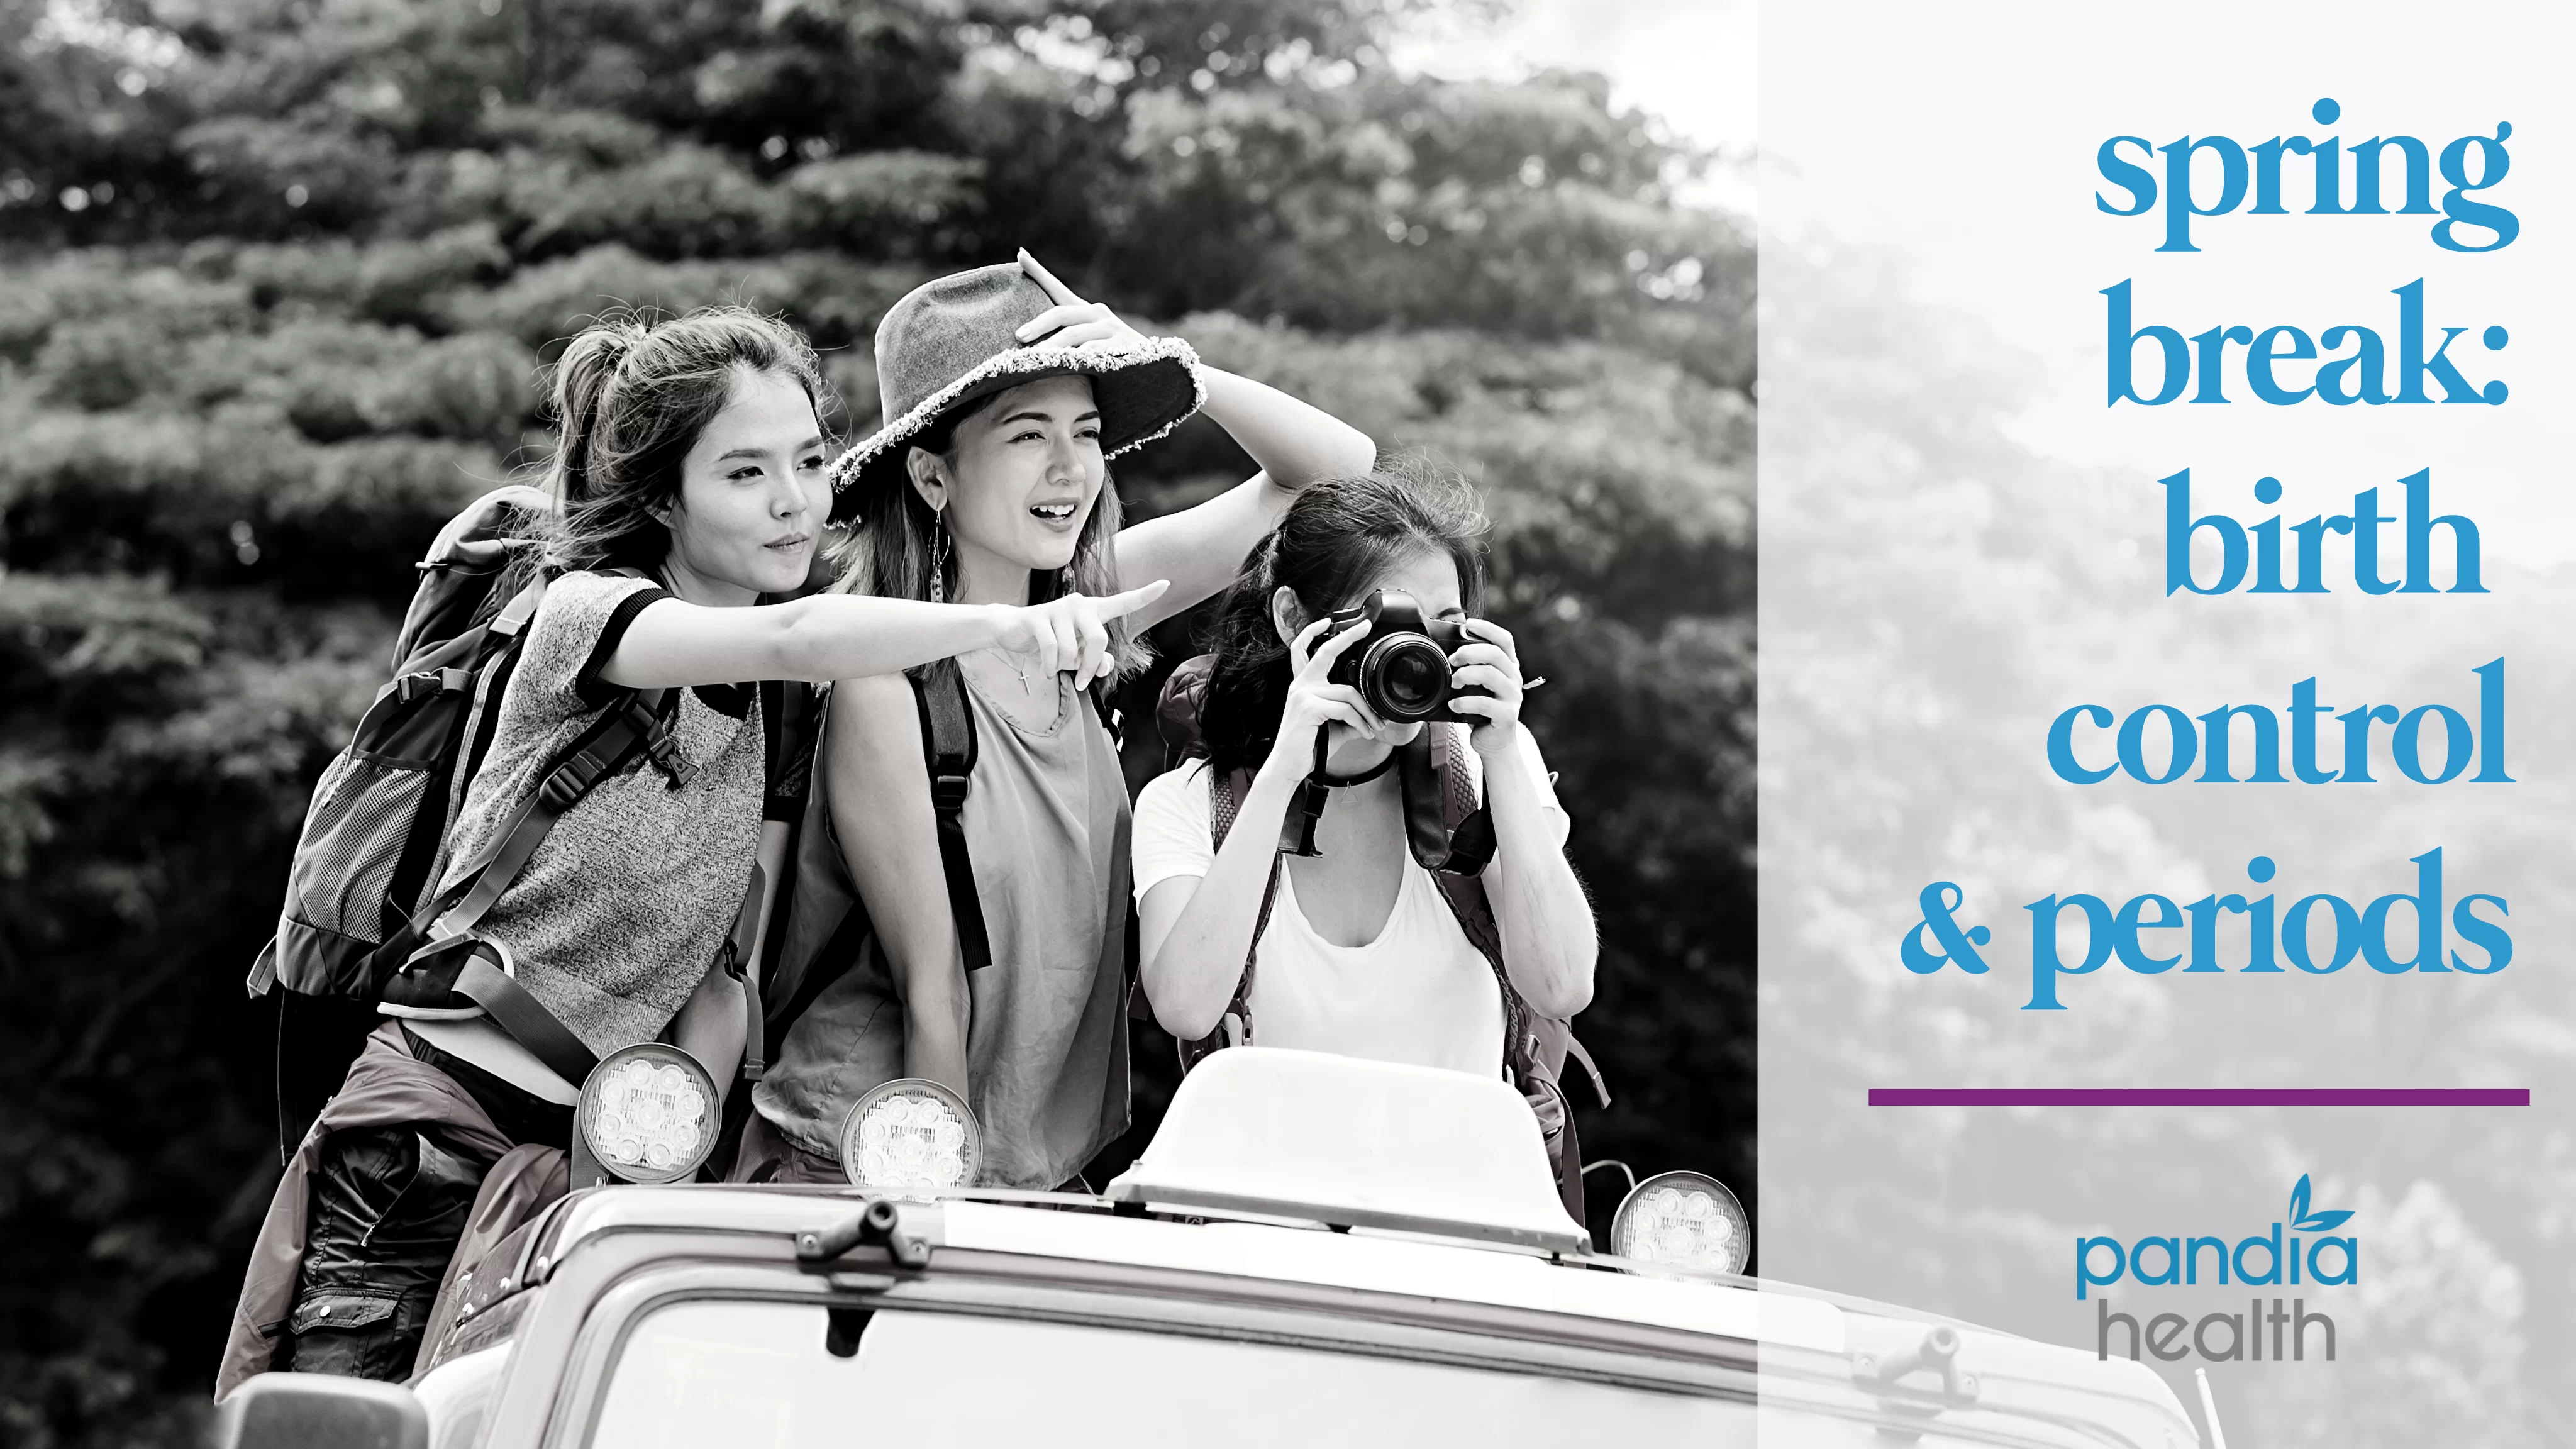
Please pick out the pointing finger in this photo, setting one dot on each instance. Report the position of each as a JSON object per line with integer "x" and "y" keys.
{"x": 1119, "y": 606}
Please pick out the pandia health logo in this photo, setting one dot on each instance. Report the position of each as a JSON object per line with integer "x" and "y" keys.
{"x": 2308, "y": 1254}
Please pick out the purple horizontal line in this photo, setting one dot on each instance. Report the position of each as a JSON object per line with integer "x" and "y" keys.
{"x": 2200, "y": 1096}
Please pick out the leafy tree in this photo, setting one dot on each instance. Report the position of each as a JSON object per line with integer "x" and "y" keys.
{"x": 275, "y": 280}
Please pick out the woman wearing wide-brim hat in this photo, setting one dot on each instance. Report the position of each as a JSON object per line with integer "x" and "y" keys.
{"x": 1005, "y": 395}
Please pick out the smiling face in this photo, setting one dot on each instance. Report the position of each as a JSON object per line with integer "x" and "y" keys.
{"x": 752, "y": 495}
{"x": 1021, "y": 479}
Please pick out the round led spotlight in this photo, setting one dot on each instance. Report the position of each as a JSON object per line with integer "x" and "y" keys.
{"x": 911, "y": 1135}
{"x": 1683, "y": 1220}
{"x": 649, "y": 1113}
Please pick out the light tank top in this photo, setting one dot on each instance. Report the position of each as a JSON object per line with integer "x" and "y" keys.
{"x": 1047, "y": 825}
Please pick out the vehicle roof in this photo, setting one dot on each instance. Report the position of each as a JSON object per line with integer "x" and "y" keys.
{"x": 2119, "y": 1397}
{"x": 1368, "y": 1197}
{"x": 1246, "y": 1245}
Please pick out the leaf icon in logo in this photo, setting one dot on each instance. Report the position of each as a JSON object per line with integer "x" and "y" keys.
{"x": 2308, "y": 1222}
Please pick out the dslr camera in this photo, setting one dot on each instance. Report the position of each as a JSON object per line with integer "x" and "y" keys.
{"x": 1401, "y": 666}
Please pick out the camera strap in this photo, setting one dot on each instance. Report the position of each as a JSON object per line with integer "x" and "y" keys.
{"x": 1297, "y": 827}
{"x": 1425, "y": 779}
{"x": 1306, "y": 809}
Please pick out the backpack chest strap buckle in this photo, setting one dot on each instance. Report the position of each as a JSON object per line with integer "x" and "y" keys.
{"x": 644, "y": 711}
{"x": 665, "y": 754}
{"x": 450, "y": 680}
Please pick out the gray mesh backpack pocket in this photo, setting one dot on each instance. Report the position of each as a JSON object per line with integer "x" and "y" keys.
{"x": 363, "y": 813}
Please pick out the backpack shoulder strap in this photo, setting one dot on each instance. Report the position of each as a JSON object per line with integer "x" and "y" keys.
{"x": 1536, "y": 1043}
{"x": 1225, "y": 798}
{"x": 627, "y": 727}
{"x": 1471, "y": 827}
{"x": 735, "y": 959}
{"x": 1451, "y": 792}
{"x": 1225, "y": 801}
{"x": 631, "y": 724}
{"x": 824, "y": 904}
{"x": 1107, "y": 712}
{"x": 513, "y": 617}
{"x": 948, "y": 749}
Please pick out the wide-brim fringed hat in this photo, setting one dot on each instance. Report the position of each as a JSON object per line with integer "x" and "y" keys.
{"x": 954, "y": 341}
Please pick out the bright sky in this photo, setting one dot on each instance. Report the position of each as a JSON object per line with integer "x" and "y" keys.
{"x": 1689, "y": 61}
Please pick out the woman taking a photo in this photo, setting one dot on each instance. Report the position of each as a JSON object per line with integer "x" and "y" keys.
{"x": 1356, "y": 950}
{"x": 688, "y": 481}
{"x": 1005, "y": 395}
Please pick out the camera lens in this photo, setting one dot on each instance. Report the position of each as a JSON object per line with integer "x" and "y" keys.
{"x": 1407, "y": 677}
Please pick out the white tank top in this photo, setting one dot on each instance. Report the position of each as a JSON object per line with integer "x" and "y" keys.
{"x": 1420, "y": 993}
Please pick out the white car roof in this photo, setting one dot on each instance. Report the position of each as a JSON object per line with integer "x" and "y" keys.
{"x": 1362, "y": 1258}
{"x": 1436, "y": 1187}
{"x": 2124, "y": 1399}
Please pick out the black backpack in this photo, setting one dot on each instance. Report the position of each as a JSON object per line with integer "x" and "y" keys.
{"x": 1452, "y": 837}
{"x": 360, "y": 922}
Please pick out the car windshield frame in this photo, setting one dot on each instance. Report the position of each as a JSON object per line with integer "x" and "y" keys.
{"x": 1201, "y": 1305}
{"x": 1376, "y": 1325}
{"x": 1123, "y": 1331}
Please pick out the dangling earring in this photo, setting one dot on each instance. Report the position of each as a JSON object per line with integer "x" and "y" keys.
{"x": 939, "y": 558}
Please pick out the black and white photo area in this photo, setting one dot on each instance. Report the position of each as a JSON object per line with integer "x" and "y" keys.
{"x": 278, "y": 283}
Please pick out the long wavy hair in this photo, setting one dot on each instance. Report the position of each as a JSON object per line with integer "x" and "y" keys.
{"x": 629, "y": 397}
{"x": 1336, "y": 541}
{"x": 892, "y": 540}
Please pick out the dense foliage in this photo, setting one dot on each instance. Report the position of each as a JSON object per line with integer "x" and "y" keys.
{"x": 275, "y": 280}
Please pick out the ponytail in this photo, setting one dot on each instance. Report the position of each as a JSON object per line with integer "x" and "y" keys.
{"x": 581, "y": 382}
{"x": 629, "y": 397}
